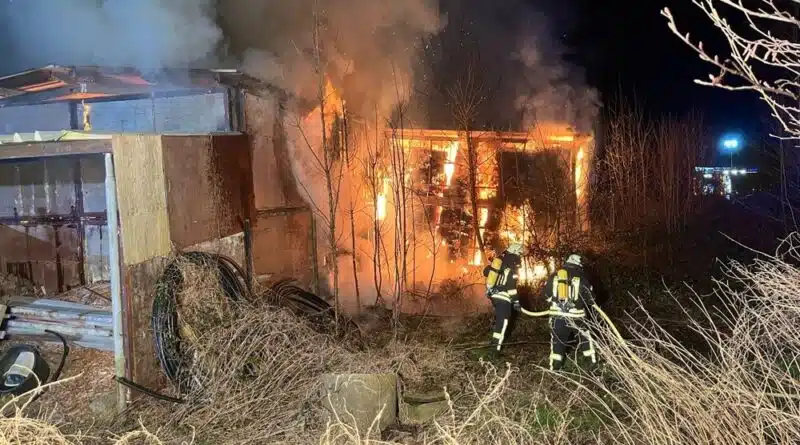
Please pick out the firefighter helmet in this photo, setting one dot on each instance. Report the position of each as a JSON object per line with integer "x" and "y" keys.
{"x": 575, "y": 259}
{"x": 515, "y": 249}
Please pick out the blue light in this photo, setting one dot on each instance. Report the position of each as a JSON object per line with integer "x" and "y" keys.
{"x": 731, "y": 143}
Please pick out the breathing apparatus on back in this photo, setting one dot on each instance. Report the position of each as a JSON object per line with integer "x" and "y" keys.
{"x": 494, "y": 270}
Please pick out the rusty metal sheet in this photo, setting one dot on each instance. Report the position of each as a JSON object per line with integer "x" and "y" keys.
{"x": 48, "y": 149}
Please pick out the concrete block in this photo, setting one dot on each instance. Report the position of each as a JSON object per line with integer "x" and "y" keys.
{"x": 360, "y": 399}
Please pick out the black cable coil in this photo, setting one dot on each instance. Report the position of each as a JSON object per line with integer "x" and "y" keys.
{"x": 164, "y": 320}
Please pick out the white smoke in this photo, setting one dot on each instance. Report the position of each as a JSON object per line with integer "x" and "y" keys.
{"x": 146, "y": 34}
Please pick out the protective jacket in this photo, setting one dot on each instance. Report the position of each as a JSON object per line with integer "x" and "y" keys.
{"x": 501, "y": 288}
{"x": 570, "y": 295}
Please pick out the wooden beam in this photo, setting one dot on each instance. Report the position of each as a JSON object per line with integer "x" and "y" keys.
{"x": 276, "y": 211}
{"x": 48, "y": 149}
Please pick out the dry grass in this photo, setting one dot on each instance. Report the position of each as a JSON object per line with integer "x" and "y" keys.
{"x": 741, "y": 387}
{"x": 258, "y": 380}
{"x": 21, "y": 424}
{"x": 201, "y": 301}
{"x": 12, "y": 285}
{"x": 70, "y": 400}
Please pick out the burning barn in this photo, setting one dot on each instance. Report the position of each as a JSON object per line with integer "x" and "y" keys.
{"x": 203, "y": 155}
{"x": 524, "y": 185}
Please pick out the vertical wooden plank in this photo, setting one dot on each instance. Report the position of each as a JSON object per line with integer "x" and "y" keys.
{"x": 141, "y": 189}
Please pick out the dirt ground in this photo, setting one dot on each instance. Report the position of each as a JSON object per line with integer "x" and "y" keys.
{"x": 86, "y": 392}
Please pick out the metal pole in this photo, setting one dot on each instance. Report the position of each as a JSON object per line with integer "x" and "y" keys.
{"x": 314, "y": 258}
{"x": 114, "y": 269}
{"x": 248, "y": 254}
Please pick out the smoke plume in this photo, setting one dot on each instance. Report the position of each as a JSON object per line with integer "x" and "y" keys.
{"x": 147, "y": 34}
{"x": 498, "y": 60}
{"x": 367, "y": 48}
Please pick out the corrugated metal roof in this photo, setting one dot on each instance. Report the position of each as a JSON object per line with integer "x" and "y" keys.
{"x": 57, "y": 83}
{"x": 50, "y": 136}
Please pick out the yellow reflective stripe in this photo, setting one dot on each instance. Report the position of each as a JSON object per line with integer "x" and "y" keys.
{"x": 501, "y": 296}
{"x": 577, "y": 311}
{"x": 590, "y": 352}
{"x": 497, "y": 335}
{"x": 512, "y": 292}
{"x": 554, "y": 358}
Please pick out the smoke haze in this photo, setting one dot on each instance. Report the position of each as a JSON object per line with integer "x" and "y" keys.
{"x": 147, "y": 34}
{"x": 376, "y": 52}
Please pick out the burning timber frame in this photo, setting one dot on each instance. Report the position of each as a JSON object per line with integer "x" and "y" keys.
{"x": 419, "y": 144}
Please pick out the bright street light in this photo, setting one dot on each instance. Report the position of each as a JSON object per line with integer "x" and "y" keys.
{"x": 730, "y": 144}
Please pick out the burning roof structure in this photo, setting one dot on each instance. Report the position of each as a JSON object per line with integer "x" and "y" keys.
{"x": 55, "y": 98}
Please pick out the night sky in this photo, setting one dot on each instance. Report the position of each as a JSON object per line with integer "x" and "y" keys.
{"x": 626, "y": 45}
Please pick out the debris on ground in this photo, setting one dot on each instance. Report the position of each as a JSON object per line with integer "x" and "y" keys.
{"x": 12, "y": 285}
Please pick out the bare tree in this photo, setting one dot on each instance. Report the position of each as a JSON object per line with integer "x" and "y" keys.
{"x": 466, "y": 96}
{"x": 762, "y": 54}
{"x": 325, "y": 155}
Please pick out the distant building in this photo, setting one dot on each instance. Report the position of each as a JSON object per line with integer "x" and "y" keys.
{"x": 725, "y": 181}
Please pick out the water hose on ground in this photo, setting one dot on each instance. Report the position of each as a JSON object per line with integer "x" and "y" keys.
{"x": 603, "y": 315}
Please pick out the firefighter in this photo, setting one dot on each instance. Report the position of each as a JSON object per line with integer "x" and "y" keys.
{"x": 570, "y": 295}
{"x": 501, "y": 288}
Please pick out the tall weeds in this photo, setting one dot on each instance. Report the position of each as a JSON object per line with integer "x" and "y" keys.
{"x": 737, "y": 384}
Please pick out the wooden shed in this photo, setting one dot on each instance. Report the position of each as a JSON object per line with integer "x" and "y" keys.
{"x": 160, "y": 193}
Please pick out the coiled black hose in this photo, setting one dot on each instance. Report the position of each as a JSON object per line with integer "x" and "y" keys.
{"x": 165, "y": 316}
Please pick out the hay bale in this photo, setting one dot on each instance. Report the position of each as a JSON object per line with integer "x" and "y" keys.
{"x": 361, "y": 400}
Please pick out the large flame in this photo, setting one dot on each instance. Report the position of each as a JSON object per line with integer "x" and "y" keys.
{"x": 450, "y": 165}
{"x": 332, "y": 104}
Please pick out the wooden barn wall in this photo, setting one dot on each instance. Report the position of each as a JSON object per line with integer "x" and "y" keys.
{"x": 175, "y": 192}
{"x": 138, "y": 285}
{"x": 282, "y": 245}
{"x": 209, "y": 183}
{"x": 52, "y": 221}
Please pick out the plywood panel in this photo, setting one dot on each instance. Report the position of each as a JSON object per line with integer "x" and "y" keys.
{"x": 141, "y": 196}
{"x": 260, "y": 123}
{"x": 234, "y": 167}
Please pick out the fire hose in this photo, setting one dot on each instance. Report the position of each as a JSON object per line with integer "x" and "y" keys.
{"x": 603, "y": 315}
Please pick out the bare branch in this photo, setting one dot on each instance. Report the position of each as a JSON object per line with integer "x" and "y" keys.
{"x": 761, "y": 56}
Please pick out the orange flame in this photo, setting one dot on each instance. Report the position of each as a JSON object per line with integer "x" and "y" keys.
{"x": 450, "y": 165}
